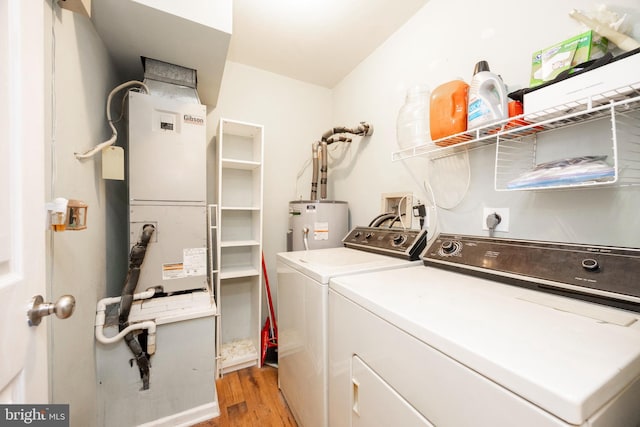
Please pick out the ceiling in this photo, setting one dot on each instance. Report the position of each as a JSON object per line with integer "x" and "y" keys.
{"x": 167, "y": 31}
{"x": 316, "y": 41}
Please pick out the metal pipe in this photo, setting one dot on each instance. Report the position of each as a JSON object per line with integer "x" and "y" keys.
{"x": 363, "y": 128}
{"x": 314, "y": 178}
{"x": 329, "y": 137}
{"x": 305, "y": 238}
{"x": 323, "y": 170}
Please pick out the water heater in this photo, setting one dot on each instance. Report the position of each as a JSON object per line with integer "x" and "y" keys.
{"x": 317, "y": 224}
{"x": 167, "y": 189}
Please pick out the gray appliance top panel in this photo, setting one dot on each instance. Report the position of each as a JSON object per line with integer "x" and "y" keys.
{"x": 602, "y": 274}
{"x": 406, "y": 244}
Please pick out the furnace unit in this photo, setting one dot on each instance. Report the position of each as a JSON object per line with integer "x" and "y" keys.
{"x": 167, "y": 189}
{"x": 156, "y": 356}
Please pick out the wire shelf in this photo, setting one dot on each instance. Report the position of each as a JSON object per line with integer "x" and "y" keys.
{"x": 624, "y": 99}
{"x": 517, "y": 152}
{"x": 517, "y": 139}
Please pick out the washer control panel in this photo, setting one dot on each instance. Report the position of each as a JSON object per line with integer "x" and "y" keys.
{"x": 397, "y": 242}
{"x": 608, "y": 274}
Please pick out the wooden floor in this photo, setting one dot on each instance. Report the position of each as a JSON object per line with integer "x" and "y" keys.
{"x": 250, "y": 397}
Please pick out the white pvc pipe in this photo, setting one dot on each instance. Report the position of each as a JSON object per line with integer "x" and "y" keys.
{"x": 150, "y": 325}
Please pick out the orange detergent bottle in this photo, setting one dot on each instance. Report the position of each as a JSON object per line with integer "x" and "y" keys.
{"x": 448, "y": 112}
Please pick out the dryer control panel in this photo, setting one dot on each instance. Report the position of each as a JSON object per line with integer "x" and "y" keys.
{"x": 603, "y": 274}
{"x": 397, "y": 242}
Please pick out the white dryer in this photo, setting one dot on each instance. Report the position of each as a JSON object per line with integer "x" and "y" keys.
{"x": 427, "y": 346}
{"x": 303, "y": 289}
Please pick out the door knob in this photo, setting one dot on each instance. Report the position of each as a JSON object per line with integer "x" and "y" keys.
{"x": 38, "y": 309}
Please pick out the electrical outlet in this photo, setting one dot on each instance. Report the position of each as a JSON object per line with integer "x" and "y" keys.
{"x": 400, "y": 203}
{"x": 504, "y": 218}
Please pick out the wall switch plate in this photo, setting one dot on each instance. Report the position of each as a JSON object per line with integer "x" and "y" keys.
{"x": 504, "y": 218}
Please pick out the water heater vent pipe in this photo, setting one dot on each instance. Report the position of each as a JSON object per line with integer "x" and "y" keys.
{"x": 319, "y": 154}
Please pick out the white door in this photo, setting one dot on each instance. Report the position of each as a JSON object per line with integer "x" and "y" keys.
{"x": 23, "y": 349}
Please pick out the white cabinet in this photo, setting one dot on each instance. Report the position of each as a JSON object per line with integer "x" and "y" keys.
{"x": 239, "y": 160}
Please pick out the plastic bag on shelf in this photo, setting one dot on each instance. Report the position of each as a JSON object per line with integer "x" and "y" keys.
{"x": 573, "y": 170}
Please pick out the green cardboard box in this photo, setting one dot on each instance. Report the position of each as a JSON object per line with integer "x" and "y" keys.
{"x": 546, "y": 64}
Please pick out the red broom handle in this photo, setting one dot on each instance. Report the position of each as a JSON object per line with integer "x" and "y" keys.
{"x": 266, "y": 282}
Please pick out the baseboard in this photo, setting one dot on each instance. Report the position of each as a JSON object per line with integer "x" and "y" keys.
{"x": 187, "y": 418}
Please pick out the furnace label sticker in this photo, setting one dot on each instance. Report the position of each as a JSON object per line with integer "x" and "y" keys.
{"x": 193, "y": 120}
{"x": 174, "y": 270}
{"x": 195, "y": 261}
{"x": 321, "y": 231}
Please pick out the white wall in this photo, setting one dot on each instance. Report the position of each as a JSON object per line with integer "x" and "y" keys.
{"x": 294, "y": 115}
{"x": 443, "y": 41}
{"x": 77, "y": 86}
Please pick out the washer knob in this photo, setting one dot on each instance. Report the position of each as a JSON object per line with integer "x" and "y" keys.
{"x": 590, "y": 264}
{"x": 357, "y": 234}
{"x": 448, "y": 247}
{"x": 399, "y": 239}
{"x": 368, "y": 236}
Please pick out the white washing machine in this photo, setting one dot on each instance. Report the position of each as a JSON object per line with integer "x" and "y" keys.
{"x": 425, "y": 346}
{"x": 303, "y": 289}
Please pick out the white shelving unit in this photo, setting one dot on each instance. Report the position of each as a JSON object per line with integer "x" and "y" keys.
{"x": 603, "y": 125}
{"x": 239, "y": 247}
{"x": 214, "y": 273}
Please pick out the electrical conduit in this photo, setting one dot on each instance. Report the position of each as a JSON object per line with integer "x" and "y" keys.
{"x": 114, "y": 133}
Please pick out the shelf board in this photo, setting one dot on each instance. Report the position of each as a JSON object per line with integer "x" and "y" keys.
{"x": 240, "y": 128}
{"x": 240, "y": 164}
{"x": 236, "y": 272}
{"x": 239, "y": 208}
{"x": 238, "y": 354}
{"x": 238, "y": 243}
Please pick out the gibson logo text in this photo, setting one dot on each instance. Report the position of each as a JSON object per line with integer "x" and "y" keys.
{"x": 188, "y": 118}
